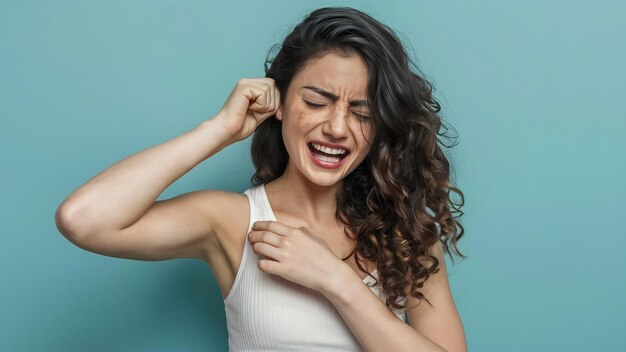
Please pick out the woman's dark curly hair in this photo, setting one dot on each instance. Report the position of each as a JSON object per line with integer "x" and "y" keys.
{"x": 396, "y": 201}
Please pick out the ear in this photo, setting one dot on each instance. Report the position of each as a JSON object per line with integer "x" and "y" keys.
{"x": 279, "y": 112}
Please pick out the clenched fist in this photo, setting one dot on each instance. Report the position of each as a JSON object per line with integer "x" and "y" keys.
{"x": 251, "y": 102}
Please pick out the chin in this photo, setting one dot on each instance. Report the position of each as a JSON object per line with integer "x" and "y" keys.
{"x": 325, "y": 180}
{"x": 326, "y": 184}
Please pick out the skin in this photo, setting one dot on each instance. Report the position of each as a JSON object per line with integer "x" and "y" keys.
{"x": 101, "y": 216}
{"x": 305, "y": 188}
{"x": 306, "y": 243}
{"x": 297, "y": 247}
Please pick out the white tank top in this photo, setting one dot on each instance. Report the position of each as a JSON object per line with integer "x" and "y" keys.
{"x": 265, "y": 312}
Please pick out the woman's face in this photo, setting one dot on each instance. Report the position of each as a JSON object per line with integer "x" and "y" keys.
{"x": 340, "y": 123}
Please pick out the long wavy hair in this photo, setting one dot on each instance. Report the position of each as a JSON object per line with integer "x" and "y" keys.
{"x": 397, "y": 202}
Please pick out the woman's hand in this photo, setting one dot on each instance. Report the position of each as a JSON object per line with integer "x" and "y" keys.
{"x": 251, "y": 102}
{"x": 294, "y": 253}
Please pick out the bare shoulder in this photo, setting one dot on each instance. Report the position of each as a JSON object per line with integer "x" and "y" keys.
{"x": 227, "y": 209}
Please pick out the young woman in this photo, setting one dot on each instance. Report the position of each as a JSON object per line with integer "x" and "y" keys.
{"x": 345, "y": 228}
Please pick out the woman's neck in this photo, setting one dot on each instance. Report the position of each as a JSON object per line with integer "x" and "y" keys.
{"x": 301, "y": 198}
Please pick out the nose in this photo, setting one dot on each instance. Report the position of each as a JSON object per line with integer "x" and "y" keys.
{"x": 336, "y": 124}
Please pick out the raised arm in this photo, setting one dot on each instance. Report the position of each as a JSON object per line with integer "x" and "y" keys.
{"x": 115, "y": 212}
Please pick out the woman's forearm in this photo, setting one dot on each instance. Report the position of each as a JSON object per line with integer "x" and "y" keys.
{"x": 118, "y": 196}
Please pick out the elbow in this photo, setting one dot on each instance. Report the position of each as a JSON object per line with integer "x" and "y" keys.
{"x": 66, "y": 220}
{"x": 63, "y": 222}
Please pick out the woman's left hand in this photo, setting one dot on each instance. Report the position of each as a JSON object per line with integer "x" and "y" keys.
{"x": 294, "y": 253}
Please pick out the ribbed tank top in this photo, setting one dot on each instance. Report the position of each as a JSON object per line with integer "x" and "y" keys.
{"x": 265, "y": 312}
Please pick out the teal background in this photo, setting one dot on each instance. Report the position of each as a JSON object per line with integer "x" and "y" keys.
{"x": 535, "y": 89}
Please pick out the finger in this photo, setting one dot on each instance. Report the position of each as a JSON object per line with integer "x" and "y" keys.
{"x": 253, "y": 93}
{"x": 254, "y": 82}
{"x": 273, "y": 226}
{"x": 269, "y": 266}
{"x": 262, "y": 107}
{"x": 269, "y": 86}
{"x": 254, "y": 90}
{"x": 261, "y": 100}
{"x": 267, "y": 106}
{"x": 266, "y": 83}
{"x": 265, "y": 237}
{"x": 260, "y": 225}
{"x": 267, "y": 250}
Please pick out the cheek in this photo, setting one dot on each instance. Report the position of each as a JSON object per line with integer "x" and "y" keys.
{"x": 368, "y": 134}
{"x": 295, "y": 126}
{"x": 364, "y": 152}
{"x": 300, "y": 121}
{"x": 364, "y": 132}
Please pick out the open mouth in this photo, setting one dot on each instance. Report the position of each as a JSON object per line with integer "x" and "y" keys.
{"x": 327, "y": 154}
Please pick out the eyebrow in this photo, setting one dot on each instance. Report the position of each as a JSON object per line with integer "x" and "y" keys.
{"x": 333, "y": 97}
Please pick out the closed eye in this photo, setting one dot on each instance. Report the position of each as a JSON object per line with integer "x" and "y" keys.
{"x": 319, "y": 106}
{"x": 361, "y": 117}
{"x": 314, "y": 106}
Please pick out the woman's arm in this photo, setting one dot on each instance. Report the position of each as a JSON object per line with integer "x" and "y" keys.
{"x": 115, "y": 212}
{"x": 378, "y": 329}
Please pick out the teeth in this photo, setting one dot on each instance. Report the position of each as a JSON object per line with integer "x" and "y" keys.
{"x": 328, "y": 150}
{"x": 330, "y": 159}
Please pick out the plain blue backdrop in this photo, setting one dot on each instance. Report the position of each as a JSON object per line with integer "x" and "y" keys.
{"x": 535, "y": 90}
